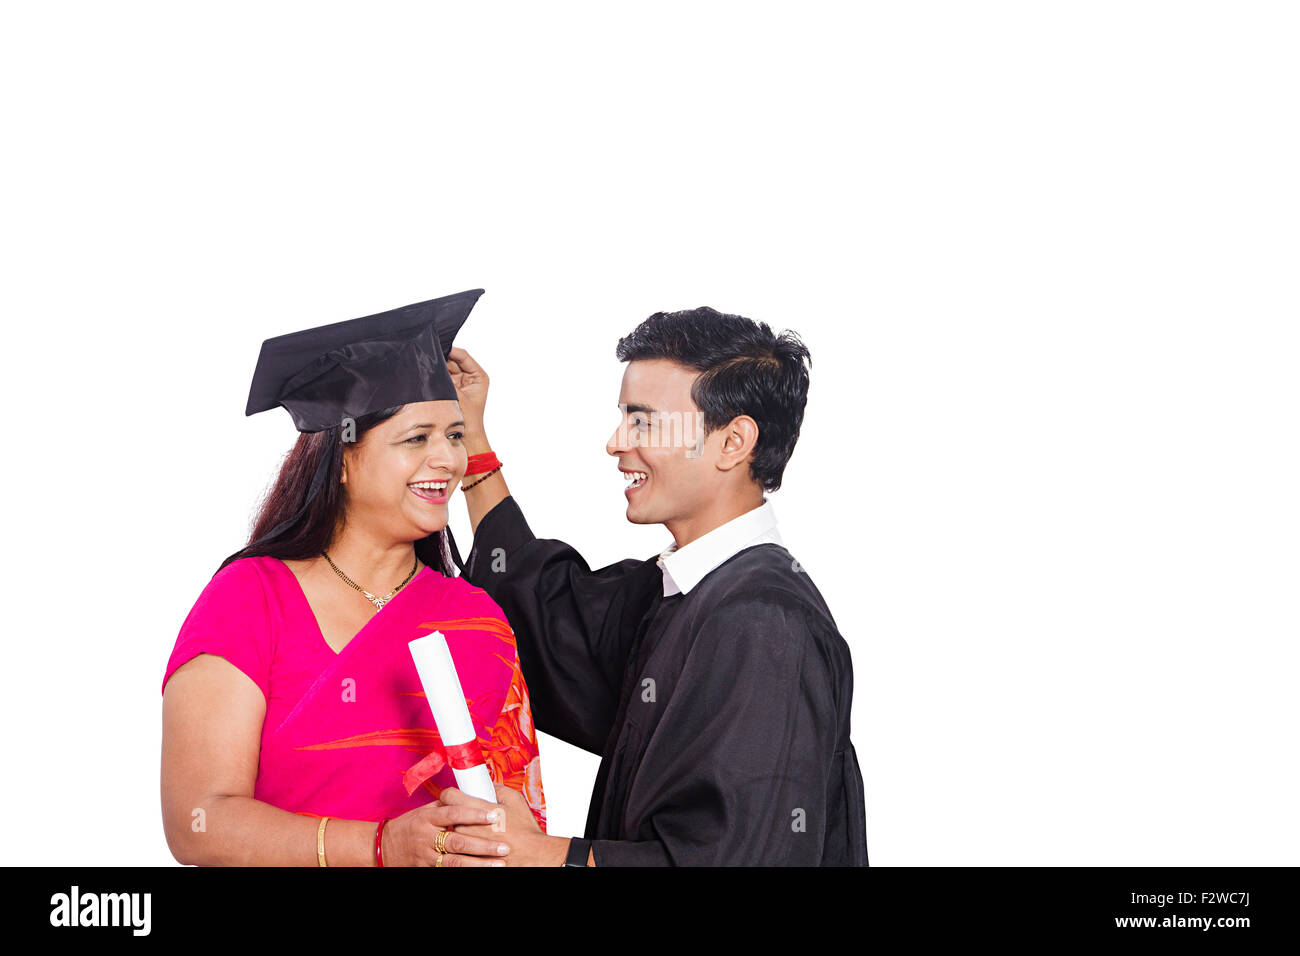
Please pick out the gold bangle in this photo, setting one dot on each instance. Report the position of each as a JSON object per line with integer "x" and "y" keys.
{"x": 320, "y": 842}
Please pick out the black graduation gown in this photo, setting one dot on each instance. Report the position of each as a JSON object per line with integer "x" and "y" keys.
{"x": 721, "y": 716}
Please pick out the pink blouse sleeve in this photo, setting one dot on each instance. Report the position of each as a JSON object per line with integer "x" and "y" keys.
{"x": 230, "y": 620}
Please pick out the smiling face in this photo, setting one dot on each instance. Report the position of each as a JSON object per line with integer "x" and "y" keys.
{"x": 398, "y": 477}
{"x": 674, "y": 474}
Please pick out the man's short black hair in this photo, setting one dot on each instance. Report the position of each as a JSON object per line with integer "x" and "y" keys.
{"x": 744, "y": 369}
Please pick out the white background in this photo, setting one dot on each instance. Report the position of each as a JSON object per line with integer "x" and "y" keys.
{"x": 1044, "y": 256}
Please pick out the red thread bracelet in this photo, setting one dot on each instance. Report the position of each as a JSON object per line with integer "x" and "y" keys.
{"x": 379, "y": 843}
{"x": 478, "y": 464}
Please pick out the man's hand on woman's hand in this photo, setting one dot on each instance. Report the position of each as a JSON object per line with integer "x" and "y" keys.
{"x": 529, "y": 846}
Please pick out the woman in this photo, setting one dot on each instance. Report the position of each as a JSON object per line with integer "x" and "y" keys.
{"x": 292, "y": 713}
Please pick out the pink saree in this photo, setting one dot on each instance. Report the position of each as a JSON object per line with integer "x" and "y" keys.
{"x": 341, "y": 729}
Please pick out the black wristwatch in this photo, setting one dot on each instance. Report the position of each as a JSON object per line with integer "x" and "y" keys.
{"x": 578, "y": 850}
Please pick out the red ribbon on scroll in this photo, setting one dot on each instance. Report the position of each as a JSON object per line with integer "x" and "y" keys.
{"x": 457, "y": 756}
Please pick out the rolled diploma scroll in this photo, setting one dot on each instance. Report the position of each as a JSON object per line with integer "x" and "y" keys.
{"x": 450, "y": 713}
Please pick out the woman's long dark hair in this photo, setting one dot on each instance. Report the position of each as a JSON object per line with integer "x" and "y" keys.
{"x": 311, "y": 533}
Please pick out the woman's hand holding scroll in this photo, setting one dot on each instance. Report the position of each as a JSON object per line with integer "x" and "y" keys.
{"x": 411, "y": 839}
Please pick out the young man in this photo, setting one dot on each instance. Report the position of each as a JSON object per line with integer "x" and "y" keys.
{"x": 711, "y": 678}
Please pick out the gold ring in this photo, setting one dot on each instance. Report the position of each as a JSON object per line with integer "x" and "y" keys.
{"x": 439, "y": 862}
{"x": 440, "y": 841}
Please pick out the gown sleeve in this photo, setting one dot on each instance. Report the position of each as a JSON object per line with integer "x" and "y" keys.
{"x": 229, "y": 620}
{"x": 757, "y": 756}
{"x": 574, "y": 626}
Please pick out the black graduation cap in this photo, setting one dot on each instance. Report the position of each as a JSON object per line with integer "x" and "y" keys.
{"x": 325, "y": 375}
{"x": 349, "y": 369}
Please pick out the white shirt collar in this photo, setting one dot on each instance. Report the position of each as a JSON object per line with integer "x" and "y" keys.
{"x": 685, "y": 567}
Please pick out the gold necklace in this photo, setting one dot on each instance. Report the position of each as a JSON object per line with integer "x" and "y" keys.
{"x": 378, "y": 602}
